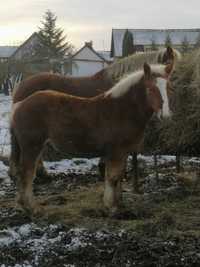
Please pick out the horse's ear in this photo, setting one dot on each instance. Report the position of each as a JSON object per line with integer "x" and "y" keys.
{"x": 169, "y": 56}
{"x": 170, "y": 52}
{"x": 169, "y": 68}
{"x": 147, "y": 71}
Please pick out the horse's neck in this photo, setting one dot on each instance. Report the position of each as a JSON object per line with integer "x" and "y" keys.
{"x": 89, "y": 86}
{"x": 128, "y": 107}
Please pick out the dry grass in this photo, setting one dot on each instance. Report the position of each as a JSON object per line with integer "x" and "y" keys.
{"x": 155, "y": 214}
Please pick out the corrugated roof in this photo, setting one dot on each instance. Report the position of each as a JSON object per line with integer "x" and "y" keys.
{"x": 7, "y": 51}
{"x": 105, "y": 55}
{"x": 145, "y": 36}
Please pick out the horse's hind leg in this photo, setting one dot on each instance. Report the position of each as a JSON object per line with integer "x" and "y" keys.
{"x": 14, "y": 156}
{"x": 28, "y": 164}
{"x": 113, "y": 180}
{"x": 41, "y": 171}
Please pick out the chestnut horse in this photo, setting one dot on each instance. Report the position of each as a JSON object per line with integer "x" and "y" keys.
{"x": 109, "y": 125}
{"x": 92, "y": 85}
{"x": 98, "y": 83}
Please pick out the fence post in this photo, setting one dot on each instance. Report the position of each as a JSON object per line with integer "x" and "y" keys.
{"x": 178, "y": 162}
{"x": 135, "y": 172}
{"x": 156, "y": 165}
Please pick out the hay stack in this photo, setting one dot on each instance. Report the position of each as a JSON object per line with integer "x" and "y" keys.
{"x": 180, "y": 134}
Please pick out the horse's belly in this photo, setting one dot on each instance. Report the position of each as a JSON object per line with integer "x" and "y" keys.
{"x": 79, "y": 147}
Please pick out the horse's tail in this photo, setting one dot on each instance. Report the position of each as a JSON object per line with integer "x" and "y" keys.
{"x": 15, "y": 155}
{"x": 15, "y": 89}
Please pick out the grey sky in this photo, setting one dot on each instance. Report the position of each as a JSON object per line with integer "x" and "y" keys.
{"x": 93, "y": 20}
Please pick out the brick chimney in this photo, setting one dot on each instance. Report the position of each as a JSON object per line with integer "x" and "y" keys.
{"x": 89, "y": 44}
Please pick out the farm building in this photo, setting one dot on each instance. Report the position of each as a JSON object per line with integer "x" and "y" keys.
{"x": 87, "y": 61}
{"x": 144, "y": 38}
{"x": 6, "y": 52}
{"x": 26, "y": 49}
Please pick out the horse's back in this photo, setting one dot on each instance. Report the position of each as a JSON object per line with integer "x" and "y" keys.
{"x": 39, "y": 82}
{"x": 79, "y": 86}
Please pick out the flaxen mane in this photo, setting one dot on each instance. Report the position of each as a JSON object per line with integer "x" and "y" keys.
{"x": 130, "y": 80}
{"x": 91, "y": 85}
{"x": 135, "y": 62}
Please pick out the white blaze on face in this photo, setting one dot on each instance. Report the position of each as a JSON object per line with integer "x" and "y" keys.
{"x": 162, "y": 86}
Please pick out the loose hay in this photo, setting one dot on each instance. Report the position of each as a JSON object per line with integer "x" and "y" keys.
{"x": 180, "y": 134}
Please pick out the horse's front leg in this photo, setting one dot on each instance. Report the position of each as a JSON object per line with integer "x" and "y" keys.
{"x": 113, "y": 180}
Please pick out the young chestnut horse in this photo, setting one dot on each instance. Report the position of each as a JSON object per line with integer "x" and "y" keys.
{"x": 109, "y": 125}
{"x": 93, "y": 85}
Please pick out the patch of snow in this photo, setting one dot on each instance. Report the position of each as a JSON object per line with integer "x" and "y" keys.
{"x": 162, "y": 159}
{"x": 3, "y": 171}
{"x": 194, "y": 161}
{"x": 5, "y": 181}
{"x": 9, "y": 236}
{"x": 75, "y": 244}
{"x": 25, "y": 230}
{"x": 77, "y": 240}
{"x": 25, "y": 264}
{"x": 75, "y": 165}
{"x": 40, "y": 240}
{"x": 163, "y": 181}
{"x": 5, "y": 108}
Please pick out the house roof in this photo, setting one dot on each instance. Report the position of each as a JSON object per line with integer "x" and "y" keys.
{"x": 105, "y": 55}
{"x": 145, "y": 37}
{"x": 89, "y": 46}
{"x": 34, "y": 35}
{"x": 7, "y": 51}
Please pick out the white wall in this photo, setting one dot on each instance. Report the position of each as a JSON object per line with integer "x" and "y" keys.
{"x": 86, "y": 53}
{"x": 86, "y": 68}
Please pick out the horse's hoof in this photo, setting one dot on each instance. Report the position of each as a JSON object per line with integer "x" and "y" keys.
{"x": 30, "y": 209}
{"x": 37, "y": 211}
{"x": 24, "y": 210}
{"x": 117, "y": 215}
{"x": 114, "y": 213}
{"x": 19, "y": 208}
{"x": 138, "y": 191}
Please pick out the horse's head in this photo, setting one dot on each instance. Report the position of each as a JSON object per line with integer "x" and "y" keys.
{"x": 153, "y": 81}
{"x": 168, "y": 55}
{"x": 156, "y": 84}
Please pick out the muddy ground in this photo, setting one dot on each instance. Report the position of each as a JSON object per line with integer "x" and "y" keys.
{"x": 159, "y": 227}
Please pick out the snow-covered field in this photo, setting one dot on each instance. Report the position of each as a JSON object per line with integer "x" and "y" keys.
{"x": 41, "y": 240}
{"x": 5, "y": 108}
